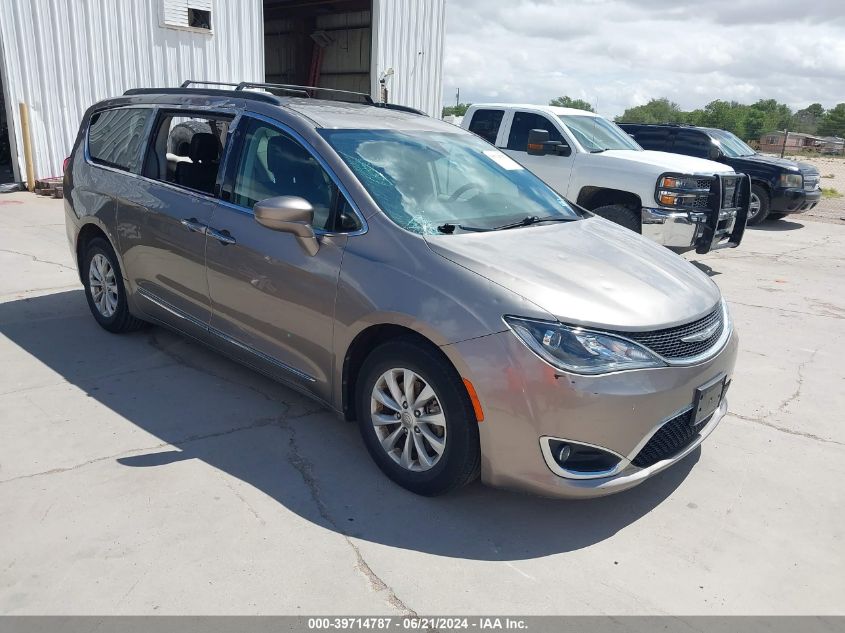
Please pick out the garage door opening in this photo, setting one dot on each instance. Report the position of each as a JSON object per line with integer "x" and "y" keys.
{"x": 7, "y": 173}
{"x": 324, "y": 43}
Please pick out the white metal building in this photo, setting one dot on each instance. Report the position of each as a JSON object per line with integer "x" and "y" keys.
{"x": 60, "y": 56}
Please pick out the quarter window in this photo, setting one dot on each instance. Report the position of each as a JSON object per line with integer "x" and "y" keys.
{"x": 273, "y": 163}
{"x": 486, "y": 124}
{"x": 524, "y": 122}
{"x": 115, "y": 137}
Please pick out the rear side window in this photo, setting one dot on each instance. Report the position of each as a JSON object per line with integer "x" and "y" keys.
{"x": 187, "y": 149}
{"x": 523, "y": 122}
{"x": 115, "y": 137}
{"x": 692, "y": 143}
{"x": 486, "y": 124}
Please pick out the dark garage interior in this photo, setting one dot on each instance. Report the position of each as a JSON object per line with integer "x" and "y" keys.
{"x": 325, "y": 43}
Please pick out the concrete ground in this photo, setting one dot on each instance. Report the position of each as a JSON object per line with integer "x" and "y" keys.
{"x": 142, "y": 474}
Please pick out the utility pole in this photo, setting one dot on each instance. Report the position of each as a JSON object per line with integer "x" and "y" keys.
{"x": 457, "y": 99}
{"x": 783, "y": 147}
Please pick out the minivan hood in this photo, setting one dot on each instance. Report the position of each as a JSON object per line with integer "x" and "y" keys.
{"x": 664, "y": 161}
{"x": 773, "y": 161}
{"x": 588, "y": 272}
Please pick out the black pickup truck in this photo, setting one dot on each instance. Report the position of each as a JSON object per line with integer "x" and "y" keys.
{"x": 778, "y": 186}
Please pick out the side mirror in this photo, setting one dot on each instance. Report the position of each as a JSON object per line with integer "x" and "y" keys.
{"x": 540, "y": 145}
{"x": 289, "y": 214}
{"x": 537, "y": 140}
{"x": 715, "y": 153}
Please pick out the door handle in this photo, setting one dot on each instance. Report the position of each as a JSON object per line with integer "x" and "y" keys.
{"x": 193, "y": 225}
{"x": 221, "y": 236}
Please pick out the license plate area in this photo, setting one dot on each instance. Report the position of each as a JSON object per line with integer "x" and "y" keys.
{"x": 707, "y": 399}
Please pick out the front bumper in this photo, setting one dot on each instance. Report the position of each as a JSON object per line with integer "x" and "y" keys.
{"x": 794, "y": 200}
{"x": 721, "y": 224}
{"x": 682, "y": 230}
{"x": 526, "y": 400}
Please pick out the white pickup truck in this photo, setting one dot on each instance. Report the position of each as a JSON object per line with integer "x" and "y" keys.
{"x": 679, "y": 201}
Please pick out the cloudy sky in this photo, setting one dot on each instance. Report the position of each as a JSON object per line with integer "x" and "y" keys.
{"x": 621, "y": 53}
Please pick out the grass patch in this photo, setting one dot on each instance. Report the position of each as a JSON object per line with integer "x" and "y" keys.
{"x": 830, "y": 192}
{"x": 828, "y": 176}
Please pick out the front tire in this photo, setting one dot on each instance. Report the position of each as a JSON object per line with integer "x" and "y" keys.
{"x": 758, "y": 209}
{"x": 104, "y": 288}
{"x": 623, "y": 216}
{"x": 416, "y": 418}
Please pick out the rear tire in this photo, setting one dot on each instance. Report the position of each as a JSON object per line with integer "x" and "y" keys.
{"x": 396, "y": 443}
{"x": 759, "y": 208}
{"x": 104, "y": 289}
{"x": 623, "y": 216}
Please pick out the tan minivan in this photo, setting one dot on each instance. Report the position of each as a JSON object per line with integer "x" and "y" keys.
{"x": 406, "y": 274}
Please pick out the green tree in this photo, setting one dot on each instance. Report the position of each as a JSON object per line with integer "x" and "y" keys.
{"x": 456, "y": 110}
{"x": 655, "y": 111}
{"x": 569, "y": 102}
{"x": 833, "y": 123}
{"x": 776, "y": 116}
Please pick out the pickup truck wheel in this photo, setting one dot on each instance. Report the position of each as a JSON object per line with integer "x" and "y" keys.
{"x": 758, "y": 209}
{"x": 622, "y": 216}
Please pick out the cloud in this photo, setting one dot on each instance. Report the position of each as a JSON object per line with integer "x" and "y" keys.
{"x": 620, "y": 53}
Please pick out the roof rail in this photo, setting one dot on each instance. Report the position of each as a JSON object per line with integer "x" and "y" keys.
{"x": 253, "y": 96}
{"x": 304, "y": 90}
{"x": 400, "y": 108}
{"x": 189, "y": 82}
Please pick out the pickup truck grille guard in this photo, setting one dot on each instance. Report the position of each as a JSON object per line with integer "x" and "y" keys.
{"x": 730, "y": 195}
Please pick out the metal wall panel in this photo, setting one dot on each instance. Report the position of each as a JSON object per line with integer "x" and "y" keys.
{"x": 61, "y": 56}
{"x": 408, "y": 37}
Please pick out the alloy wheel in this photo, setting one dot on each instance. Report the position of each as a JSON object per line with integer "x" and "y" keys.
{"x": 103, "y": 285}
{"x": 408, "y": 419}
{"x": 754, "y": 206}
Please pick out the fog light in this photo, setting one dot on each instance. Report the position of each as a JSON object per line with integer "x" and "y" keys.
{"x": 581, "y": 458}
{"x": 563, "y": 454}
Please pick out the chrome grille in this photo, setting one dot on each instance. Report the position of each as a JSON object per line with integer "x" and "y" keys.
{"x": 811, "y": 182}
{"x": 730, "y": 192}
{"x": 668, "y": 344}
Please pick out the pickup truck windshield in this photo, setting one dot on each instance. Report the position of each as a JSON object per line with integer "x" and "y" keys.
{"x": 422, "y": 180}
{"x": 730, "y": 144}
{"x": 596, "y": 134}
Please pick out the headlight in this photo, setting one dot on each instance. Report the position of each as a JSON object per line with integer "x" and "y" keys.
{"x": 680, "y": 190}
{"x": 581, "y": 351}
{"x": 792, "y": 181}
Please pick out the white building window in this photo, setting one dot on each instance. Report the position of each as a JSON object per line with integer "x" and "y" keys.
{"x": 192, "y": 15}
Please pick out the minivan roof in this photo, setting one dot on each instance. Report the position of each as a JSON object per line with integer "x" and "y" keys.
{"x": 343, "y": 115}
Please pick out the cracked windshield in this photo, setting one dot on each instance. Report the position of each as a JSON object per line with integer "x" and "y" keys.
{"x": 425, "y": 180}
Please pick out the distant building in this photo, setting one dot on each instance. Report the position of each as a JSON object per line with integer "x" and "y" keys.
{"x": 833, "y": 145}
{"x": 795, "y": 142}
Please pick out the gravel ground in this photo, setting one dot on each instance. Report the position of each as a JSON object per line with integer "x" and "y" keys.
{"x": 832, "y": 170}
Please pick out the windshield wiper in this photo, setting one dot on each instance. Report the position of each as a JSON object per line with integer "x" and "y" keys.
{"x": 531, "y": 219}
{"x": 450, "y": 228}
{"x": 598, "y": 150}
